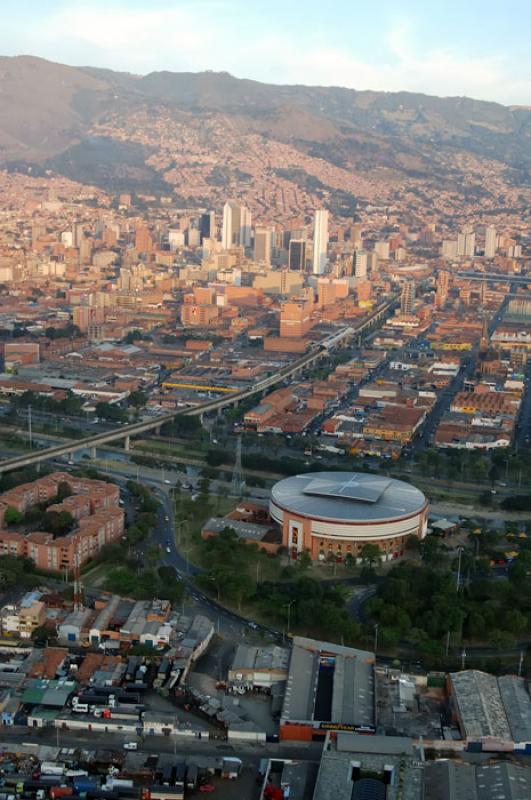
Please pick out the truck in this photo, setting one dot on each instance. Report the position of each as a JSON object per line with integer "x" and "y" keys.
{"x": 61, "y": 791}
{"x": 81, "y": 785}
{"x": 117, "y": 783}
{"x": 52, "y": 768}
{"x": 192, "y": 776}
{"x": 81, "y": 708}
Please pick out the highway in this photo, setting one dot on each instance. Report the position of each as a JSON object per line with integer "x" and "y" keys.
{"x": 91, "y": 443}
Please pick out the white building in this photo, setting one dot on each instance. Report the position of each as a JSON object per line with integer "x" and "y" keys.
{"x": 491, "y": 241}
{"x": 359, "y": 263}
{"x": 320, "y": 242}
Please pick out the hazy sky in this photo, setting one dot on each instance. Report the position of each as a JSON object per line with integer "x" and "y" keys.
{"x": 480, "y": 48}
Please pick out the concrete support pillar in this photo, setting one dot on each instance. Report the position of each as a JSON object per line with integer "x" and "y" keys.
{"x": 127, "y": 444}
{"x": 72, "y": 456}
{"x": 158, "y": 430}
{"x": 93, "y": 452}
{"x": 201, "y": 417}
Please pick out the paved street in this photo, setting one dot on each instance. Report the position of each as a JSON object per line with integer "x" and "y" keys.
{"x": 248, "y": 752}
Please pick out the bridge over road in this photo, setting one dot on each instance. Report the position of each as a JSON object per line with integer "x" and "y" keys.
{"x": 124, "y": 432}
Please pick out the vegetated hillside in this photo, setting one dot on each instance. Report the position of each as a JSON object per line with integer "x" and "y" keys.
{"x": 48, "y": 110}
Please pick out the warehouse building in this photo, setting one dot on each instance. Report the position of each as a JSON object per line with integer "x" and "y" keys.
{"x": 495, "y": 712}
{"x": 329, "y": 687}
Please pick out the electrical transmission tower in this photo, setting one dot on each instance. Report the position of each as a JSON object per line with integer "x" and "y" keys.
{"x": 238, "y": 483}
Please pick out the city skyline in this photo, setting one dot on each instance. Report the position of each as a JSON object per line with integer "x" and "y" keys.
{"x": 402, "y": 49}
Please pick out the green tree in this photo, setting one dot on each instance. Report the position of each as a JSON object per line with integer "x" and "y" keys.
{"x": 137, "y": 399}
{"x": 370, "y": 554}
{"x": 12, "y": 516}
{"x": 64, "y": 490}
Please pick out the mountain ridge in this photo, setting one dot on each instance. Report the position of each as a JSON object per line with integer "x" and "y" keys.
{"x": 47, "y": 109}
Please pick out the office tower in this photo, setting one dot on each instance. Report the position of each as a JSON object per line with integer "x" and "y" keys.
{"x": 262, "y": 245}
{"x": 245, "y": 227}
{"x": 143, "y": 240}
{"x": 491, "y": 238}
{"x": 77, "y": 234}
{"x": 359, "y": 264}
{"x": 407, "y": 298}
{"x": 230, "y": 230}
{"x": 297, "y": 255}
{"x": 320, "y": 242}
{"x": 85, "y": 250}
{"x": 461, "y": 241}
{"x": 207, "y": 226}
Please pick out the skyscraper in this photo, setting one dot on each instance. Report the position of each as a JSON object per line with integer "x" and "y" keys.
{"x": 491, "y": 241}
{"x": 207, "y": 225}
{"x": 407, "y": 298}
{"x": 466, "y": 242}
{"x": 359, "y": 264}
{"x": 441, "y": 293}
{"x": 230, "y": 231}
{"x": 236, "y": 229}
{"x": 262, "y": 245}
{"x": 245, "y": 227}
{"x": 297, "y": 255}
{"x": 320, "y": 242}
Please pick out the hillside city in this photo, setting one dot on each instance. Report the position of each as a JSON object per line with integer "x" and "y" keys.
{"x": 265, "y": 467}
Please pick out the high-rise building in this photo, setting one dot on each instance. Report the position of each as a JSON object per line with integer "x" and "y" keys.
{"x": 236, "y": 228}
{"x": 245, "y": 227}
{"x": 262, "y": 245}
{"x": 207, "y": 226}
{"x": 143, "y": 240}
{"x": 407, "y": 298}
{"x": 230, "y": 231}
{"x": 466, "y": 242}
{"x": 320, "y": 242}
{"x": 359, "y": 264}
{"x": 297, "y": 255}
{"x": 443, "y": 283}
{"x": 491, "y": 241}
{"x": 77, "y": 234}
{"x": 470, "y": 244}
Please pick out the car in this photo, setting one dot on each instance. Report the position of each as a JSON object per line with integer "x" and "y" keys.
{"x": 166, "y": 518}
{"x": 168, "y": 549}
{"x": 207, "y": 787}
{"x": 166, "y": 481}
{"x": 131, "y": 746}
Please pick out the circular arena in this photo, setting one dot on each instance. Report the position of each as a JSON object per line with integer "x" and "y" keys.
{"x": 332, "y": 515}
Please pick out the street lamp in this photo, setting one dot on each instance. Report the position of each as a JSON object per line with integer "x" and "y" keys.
{"x": 288, "y": 606}
{"x": 460, "y": 550}
{"x": 375, "y": 638}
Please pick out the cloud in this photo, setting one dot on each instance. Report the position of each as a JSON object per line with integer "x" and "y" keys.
{"x": 215, "y": 34}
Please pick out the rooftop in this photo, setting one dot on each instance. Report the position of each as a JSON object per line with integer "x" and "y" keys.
{"x": 348, "y": 496}
{"x": 330, "y": 684}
